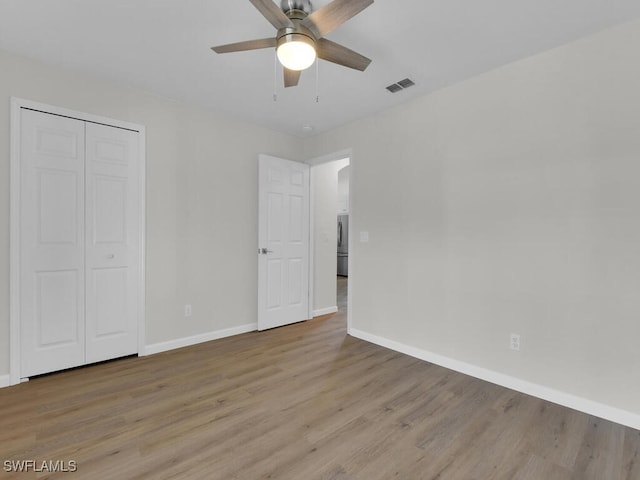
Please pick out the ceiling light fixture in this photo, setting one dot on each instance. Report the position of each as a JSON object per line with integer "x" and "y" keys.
{"x": 296, "y": 51}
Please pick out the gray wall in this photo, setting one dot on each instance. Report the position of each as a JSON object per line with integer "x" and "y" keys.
{"x": 510, "y": 203}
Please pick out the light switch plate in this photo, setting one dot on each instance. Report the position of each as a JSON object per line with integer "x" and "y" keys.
{"x": 364, "y": 237}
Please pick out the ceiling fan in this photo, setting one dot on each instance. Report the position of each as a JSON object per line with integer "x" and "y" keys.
{"x": 300, "y": 35}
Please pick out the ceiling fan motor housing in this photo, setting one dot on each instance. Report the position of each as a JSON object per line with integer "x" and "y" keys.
{"x": 291, "y": 6}
{"x": 297, "y": 33}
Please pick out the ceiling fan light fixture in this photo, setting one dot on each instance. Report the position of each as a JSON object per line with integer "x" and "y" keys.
{"x": 296, "y": 51}
{"x": 301, "y": 31}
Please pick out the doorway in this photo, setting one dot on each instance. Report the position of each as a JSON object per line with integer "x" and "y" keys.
{"x": 330, "y": 212}
{"x": 343, "y": 222}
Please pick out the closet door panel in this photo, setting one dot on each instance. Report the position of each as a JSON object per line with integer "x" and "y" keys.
{"x": 112, "y": 242}
{"x": 52, "y": 243}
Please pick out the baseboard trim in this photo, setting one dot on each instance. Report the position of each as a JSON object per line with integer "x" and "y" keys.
{"x": 5, "y": 381}
{"x": 325, "y": 311}
{"x": 201, "y": 338}
{"x": 575, "y": 402}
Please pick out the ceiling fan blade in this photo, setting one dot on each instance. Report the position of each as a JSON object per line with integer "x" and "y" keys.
{"x": 247, "y": 45}
{"x": 336, "y": 53}
{"x": 291, "y": 77}
{"x": 331, "y": 16}
{"x": 272, "y": 13}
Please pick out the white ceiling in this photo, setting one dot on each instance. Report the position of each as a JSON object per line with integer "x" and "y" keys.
{"x": 162, "y": 46}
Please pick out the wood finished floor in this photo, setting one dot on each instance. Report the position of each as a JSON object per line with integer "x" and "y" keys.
{"x": 301, "y": 402}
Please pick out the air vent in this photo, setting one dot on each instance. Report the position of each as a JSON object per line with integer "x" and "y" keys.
{"x": 406, "y": 83}
{"x": 401, "y": 85}
{"x": 394, "y": 88}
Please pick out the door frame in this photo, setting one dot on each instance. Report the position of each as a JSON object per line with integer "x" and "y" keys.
{"x": 339, "y": 155}
{"x": 17, "y": 104}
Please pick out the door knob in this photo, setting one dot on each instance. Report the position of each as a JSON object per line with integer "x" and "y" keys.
{"x": 110, "y": 256}
{"x": 264, "y": 251}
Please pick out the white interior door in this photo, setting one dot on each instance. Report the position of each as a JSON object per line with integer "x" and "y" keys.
{"x": 283, "y": 236}
{"x": 111, "y": 242}
{"x": 52, "y": 242}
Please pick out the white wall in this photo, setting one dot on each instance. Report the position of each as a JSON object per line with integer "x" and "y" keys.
{"x": 325, "y": 208}
{"x": 343, "y": 191}
{"x": 201, "y": 198}
{"x": 512, "y": 204}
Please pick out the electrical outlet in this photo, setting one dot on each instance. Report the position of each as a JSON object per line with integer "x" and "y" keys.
{"x": 187, "y": 310}
{"x": 514, "y": 342}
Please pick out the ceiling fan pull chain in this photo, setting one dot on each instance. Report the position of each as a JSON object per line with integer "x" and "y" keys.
{"x": 275, "y": 76}
{"x": 317, "y": 81}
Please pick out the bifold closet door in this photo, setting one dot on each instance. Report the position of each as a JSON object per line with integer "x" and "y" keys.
{"x": 52, "y": 226}
{"x": 112, "y": 247}
{"x": 79, "y": 237}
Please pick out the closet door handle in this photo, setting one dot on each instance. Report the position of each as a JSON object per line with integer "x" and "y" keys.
{"x": 111, "y": 256}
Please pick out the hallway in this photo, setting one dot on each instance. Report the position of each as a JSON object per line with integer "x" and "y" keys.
{"x": 342, "y": 294}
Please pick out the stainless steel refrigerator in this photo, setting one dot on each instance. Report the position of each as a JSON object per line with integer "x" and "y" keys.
{"x": 343, "y": 245}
